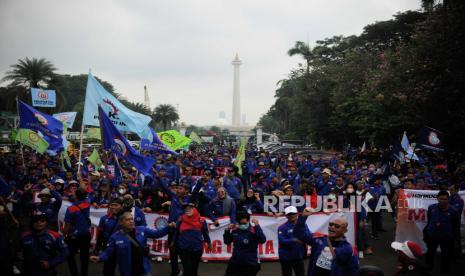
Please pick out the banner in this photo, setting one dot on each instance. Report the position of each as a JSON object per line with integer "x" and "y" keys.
{"x": 411, "y": 214}
{"x": 122, "y": 117}
{"x": 31, "y": 139}
{"x": 45, "y": 98}
{"x": 317, "y": 223}
{"x": 66, "y": 117}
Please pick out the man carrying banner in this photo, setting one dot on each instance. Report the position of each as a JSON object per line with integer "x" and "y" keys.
{"x": 440, "y": 230}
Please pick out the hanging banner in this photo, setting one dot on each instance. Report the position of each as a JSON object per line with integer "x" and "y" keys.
{"x": 268, "y": 251}
{"x": 411, "y": 214}
{"x": 44, "y": 98}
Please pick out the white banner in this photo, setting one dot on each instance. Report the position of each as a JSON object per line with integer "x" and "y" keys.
{"x": 411, "y": 214}
{"x": 317, "y": 223}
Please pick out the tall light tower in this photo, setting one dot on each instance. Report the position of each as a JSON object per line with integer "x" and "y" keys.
{"x": 146, "y": 97}
{"x": 236, "y": 112}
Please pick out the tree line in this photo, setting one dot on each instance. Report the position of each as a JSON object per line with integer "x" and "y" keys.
{"x": 397, "y": 75}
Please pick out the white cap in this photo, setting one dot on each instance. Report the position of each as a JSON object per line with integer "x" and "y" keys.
{"x": 290, "y": 210}
{"x": 409, "y": 248}
{"x": 59, "y": 180}
{"x": 45, "y": 191}
{"x": 328, "y": 171}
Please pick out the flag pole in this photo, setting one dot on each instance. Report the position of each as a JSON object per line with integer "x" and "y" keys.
{"x": 82, "y": 134}
{"x": 20, "y": 145}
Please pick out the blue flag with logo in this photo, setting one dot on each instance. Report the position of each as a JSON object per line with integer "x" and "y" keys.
{"x": 114, "y": 141}
{"x": 431, "y": 139}
{"x": 122, "y": 117}
{"x": 156, "y": 145}
{"x": 45, "y": 125}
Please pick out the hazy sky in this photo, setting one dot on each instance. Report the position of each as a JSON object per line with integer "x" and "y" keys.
{"x": 182, "y": 50}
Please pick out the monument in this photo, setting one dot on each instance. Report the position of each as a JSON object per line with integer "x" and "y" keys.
{"x": 236, "y": 109}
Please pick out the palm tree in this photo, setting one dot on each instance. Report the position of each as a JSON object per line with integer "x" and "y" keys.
{"x": 166, "y": 114}
{"x": 303, "y": 49}
{"x": 30, "y": 73}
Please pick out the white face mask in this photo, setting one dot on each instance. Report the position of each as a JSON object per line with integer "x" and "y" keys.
{"x": 331, "y": 196}
{"x": 350, "y": 190}
{"x": 359, "y": 192}
{"x": 122, "y": 191}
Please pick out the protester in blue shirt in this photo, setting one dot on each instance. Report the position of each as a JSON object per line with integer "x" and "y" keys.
{"x": 43, "y": 249}
{"x": 129, "y": 245}
{"x": 440, "y": 230}
{"x": 107, "y": 226}
{"x": 190, "y": 236}
{"x": 222, "y": 205}
{"x": 291, "y": 250}
{"x": 245, "y": 238}
{"x": 251, "y": 203}
{"x": 331, "y": 255}
{"x": 324, "y": 186}
{"x": 49, "y": 206}
{"x": 77, "y": 232}
{"x": 233, "y": 185}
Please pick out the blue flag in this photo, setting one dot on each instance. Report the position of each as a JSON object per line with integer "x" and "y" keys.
{"x": 122, "y": 117}
{"x": 49, "y": 128}
{"x": 156, "y": 145}
{"x": 431, "y": 139}
{"x": 114, "y": 141}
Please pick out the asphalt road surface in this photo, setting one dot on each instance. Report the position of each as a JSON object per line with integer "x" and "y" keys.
{"x": 384, "y": 257}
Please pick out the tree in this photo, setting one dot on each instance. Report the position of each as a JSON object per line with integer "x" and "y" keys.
{"x": 302, "y": 49}
{"x": 30, "y": 73}
{"x": 165, "y": 114}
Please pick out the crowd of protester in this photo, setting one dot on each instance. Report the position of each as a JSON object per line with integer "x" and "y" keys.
{"x": 204, "y": 182}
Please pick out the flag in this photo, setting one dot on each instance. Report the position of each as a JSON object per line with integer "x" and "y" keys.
{"x": 43, "y": 124}
{"x": 94, "y": 158}
{"x": 364, "y": 147}
{"x": 93, "y": 133}
{"x": 66, "y": 117}
{"x": 196, "y": 138}
{"x": 45, "y": 98}
{"x": 397, "y": 153}
{"x": 156, "y": 144}
{"x": 405, "y": 143}
{"x": 407, "y": 148}
{"x": 173, "y": 139}
{"x": 240, "y": 156}
{"x": 114, "y": 141}
{"x": 122, "y": 117}
{"x": 431, "y": 139}
{"x": 31, "y": 139}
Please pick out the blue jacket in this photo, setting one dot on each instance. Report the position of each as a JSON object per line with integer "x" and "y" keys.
{"x": 120, "y": 245}
{"x": 323, "y": 188}
{"x": 78, "y": 219}
{"x": 191, "y": 240}
{"x": 51, "y": 208}
{"x": 139, "y": 216}
{"x": 441, "y": 224}
{"x": 108, "y": 224}
{"x": 176, "y": 209}
{"x": 172, "y": 171}
{"x": 233, "y": 186}
{"x": 376, "y": 192}
{"x": 344, "y": 263}
{"x": 457, "y": 202}
{"x": 290, "y": 249}
{"x": 45, "y": 246}
{"x": 215, "y": 209}
{"x": 245, "y": 249}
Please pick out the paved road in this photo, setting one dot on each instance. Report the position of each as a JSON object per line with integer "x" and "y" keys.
{"x": 383, "y": 257}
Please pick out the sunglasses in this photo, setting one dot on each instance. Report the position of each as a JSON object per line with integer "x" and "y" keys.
{"x": 337, "y": 226}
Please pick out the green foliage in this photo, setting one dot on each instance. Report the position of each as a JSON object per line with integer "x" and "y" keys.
{"x": 397, "y": 75}
{"x": 166, "y": 115}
